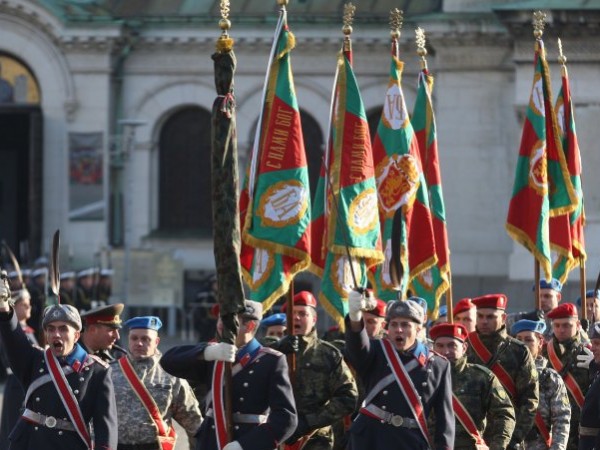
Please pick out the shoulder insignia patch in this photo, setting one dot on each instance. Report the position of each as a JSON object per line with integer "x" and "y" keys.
{"x": 94, "y": 358}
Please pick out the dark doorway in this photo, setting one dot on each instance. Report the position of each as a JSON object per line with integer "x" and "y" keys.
{"x": 21, "y": 179}
{"x": 315, "y": 146}
{"x": 184, "y": 174}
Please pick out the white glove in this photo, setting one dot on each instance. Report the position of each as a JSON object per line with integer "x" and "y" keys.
{"x": 235, "y": 445}
{"x": 356, "y": 303}
{"x": 4, "y": 290}
{"x": 220, "y": 352}
{"x": 583, "y": 361}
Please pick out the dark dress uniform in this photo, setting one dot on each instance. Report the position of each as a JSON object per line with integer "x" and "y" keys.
{"x": 262, "y": 386}
{"x": 589, "y": 427}
{"x": 91, "y": 385}
{"x": 432, "y": 381}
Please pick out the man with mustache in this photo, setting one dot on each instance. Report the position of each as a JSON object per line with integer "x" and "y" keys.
{"x": 406, "y": 384}
{"x": 68, "y": 390}
{"x": 509, "y": 359}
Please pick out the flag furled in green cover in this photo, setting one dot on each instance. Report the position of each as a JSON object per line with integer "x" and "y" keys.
{"x": 347, "y": 210}
{"x": 407, "y": 231}
{"x": 275, "y": 203}
{"x": 539, "y": 165}
{"x": 575, "y": 220}
{"x": 433, "y": 283}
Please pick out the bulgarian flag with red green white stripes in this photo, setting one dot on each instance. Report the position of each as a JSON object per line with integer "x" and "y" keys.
{"x": 433, "y": 283}
{"x": 540, "y": 165}
{"x": 346, "y": 198}
{"x": 406, "y": 226}
{"x": 275, "y": 203}
{"x": 575, "y": 220}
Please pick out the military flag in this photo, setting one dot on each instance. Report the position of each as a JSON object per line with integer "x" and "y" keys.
{"x": 347, "y": 209}
{"x": 406, "y": 227}
{"x": 277, "y": 212}
{"x": 433, "y": 283}
{"x": 224, "y": 181}
{"x": 540, "y": 166}
{"x": 568, "y": 227}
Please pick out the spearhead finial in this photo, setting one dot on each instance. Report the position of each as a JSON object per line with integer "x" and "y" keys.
{"x": 224, "y": 43}
{"x": 283, "y": 3}
{"x": 562, "y": 59}
{"x": 349, "y": 10}
{"x": 421, "y": 42}
{"x": 396, "y": 21}
{"x": 539, "y": 22}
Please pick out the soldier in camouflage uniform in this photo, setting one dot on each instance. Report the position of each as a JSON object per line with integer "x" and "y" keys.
{"x": 589, "y": 428}
{"x": 324, "y": 389}
{"x": 173, "y": 396}
{"x": 574, "y": 358}
{"x": 477, "y": 389}
{"x": 554, "y": 407}
{"x": 491, "y": 346}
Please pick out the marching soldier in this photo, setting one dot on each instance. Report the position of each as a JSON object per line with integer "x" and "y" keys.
{"x": 69, "y": 292}
{"x": 101, "y": 332}
{"x": 406, "y": 383}
{"x": 148, "y": 398}
{"x": 571, "y": 359}
{"x": 375, "y": 320}
{"x": 465, "y": 314}
{"x": 551, "y": 429}
{"x": 508, "y": 359}
{"x": 85, "y": 282}
{"x": 68, "y": 390}
{"x": 589, "y": 428}
{"x": 262, "y": 398}
{"x": 324, "y": 389}
{"x": 484, "y": 413}
{"x": 104, "y": 288}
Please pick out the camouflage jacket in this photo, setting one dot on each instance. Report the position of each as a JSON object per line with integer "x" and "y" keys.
{"x": 324, "y": 389}
{"x": 567, "y": 352}
{"x": 172, "y": 395}
{"x": 516, "y": 359}
{"x": 554, "y": 408}
{"x": 487, "y": 402}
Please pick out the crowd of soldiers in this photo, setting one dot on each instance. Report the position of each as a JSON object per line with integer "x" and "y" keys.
{"x": 393, "y": 379}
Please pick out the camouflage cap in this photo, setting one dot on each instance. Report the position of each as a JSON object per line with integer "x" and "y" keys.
{"x": 62, "y": 313}
{"x": 408, "y": 309}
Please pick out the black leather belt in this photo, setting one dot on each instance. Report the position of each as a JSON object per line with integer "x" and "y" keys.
{"x": 47, "y": 421}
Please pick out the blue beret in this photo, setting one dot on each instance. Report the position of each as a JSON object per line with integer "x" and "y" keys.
{"x": 442, "y": 311}
{"x": 148, "y": 322}
{"x": 538, "y": 326}
{"x": 553, "y": 284}
{"x": 274, "y": 319}
{"x": 591, "y": 293}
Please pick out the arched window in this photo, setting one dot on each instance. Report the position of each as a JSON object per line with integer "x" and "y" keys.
{"x": 315, "y": 145}
{"x": 184, "y": 174}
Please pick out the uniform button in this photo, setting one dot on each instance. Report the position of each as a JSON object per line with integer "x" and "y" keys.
{"x": 41, "y": 369}
{"x": 212, "y": 426}
{"x": 35, "y": 428}
{"x": 251, "y": 372}
{"x": 236, "y": 427}
{"x": 241, "y": 399}
{"x": 60, "y": 433}
{"x": 245, "y": 384}
{"x": 37, "y": 399}
{"x": 424, "y": 383}
{"x": 87, "y": 368}
{"x": 382, "y": 421}
{"x": 385, "y": 392}
{"x": 82, "y": 379}
{"x": 76, "y": 391}
{"x": 384, "y": 407}
{"x": 307, "y": 364}
{"x": 429, "y": 370}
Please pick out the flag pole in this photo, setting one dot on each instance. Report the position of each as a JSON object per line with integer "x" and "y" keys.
{"x": 537, "y": 300}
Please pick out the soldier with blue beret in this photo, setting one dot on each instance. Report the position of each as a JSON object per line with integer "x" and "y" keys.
{"x": 275, "y": 326}
{"x": 173, "y": 397}
{"x": 46, "y": 423}
{"x": 592, "y": 303}
{"x": 406, "y": 384}
{"x": 262, "y": 398}
{"x": 554, "y": 407}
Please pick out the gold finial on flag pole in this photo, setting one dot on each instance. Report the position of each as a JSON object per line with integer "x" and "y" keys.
{"x": 349, "y": 10}
{"x": 225, "y": 42}
{"x": 562, "y": 59}
{"x": 396, "y": 21}
{"x": 421, "y": 46}
{"x": 283, "y": 3}
{"x": 539, "y": 22}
